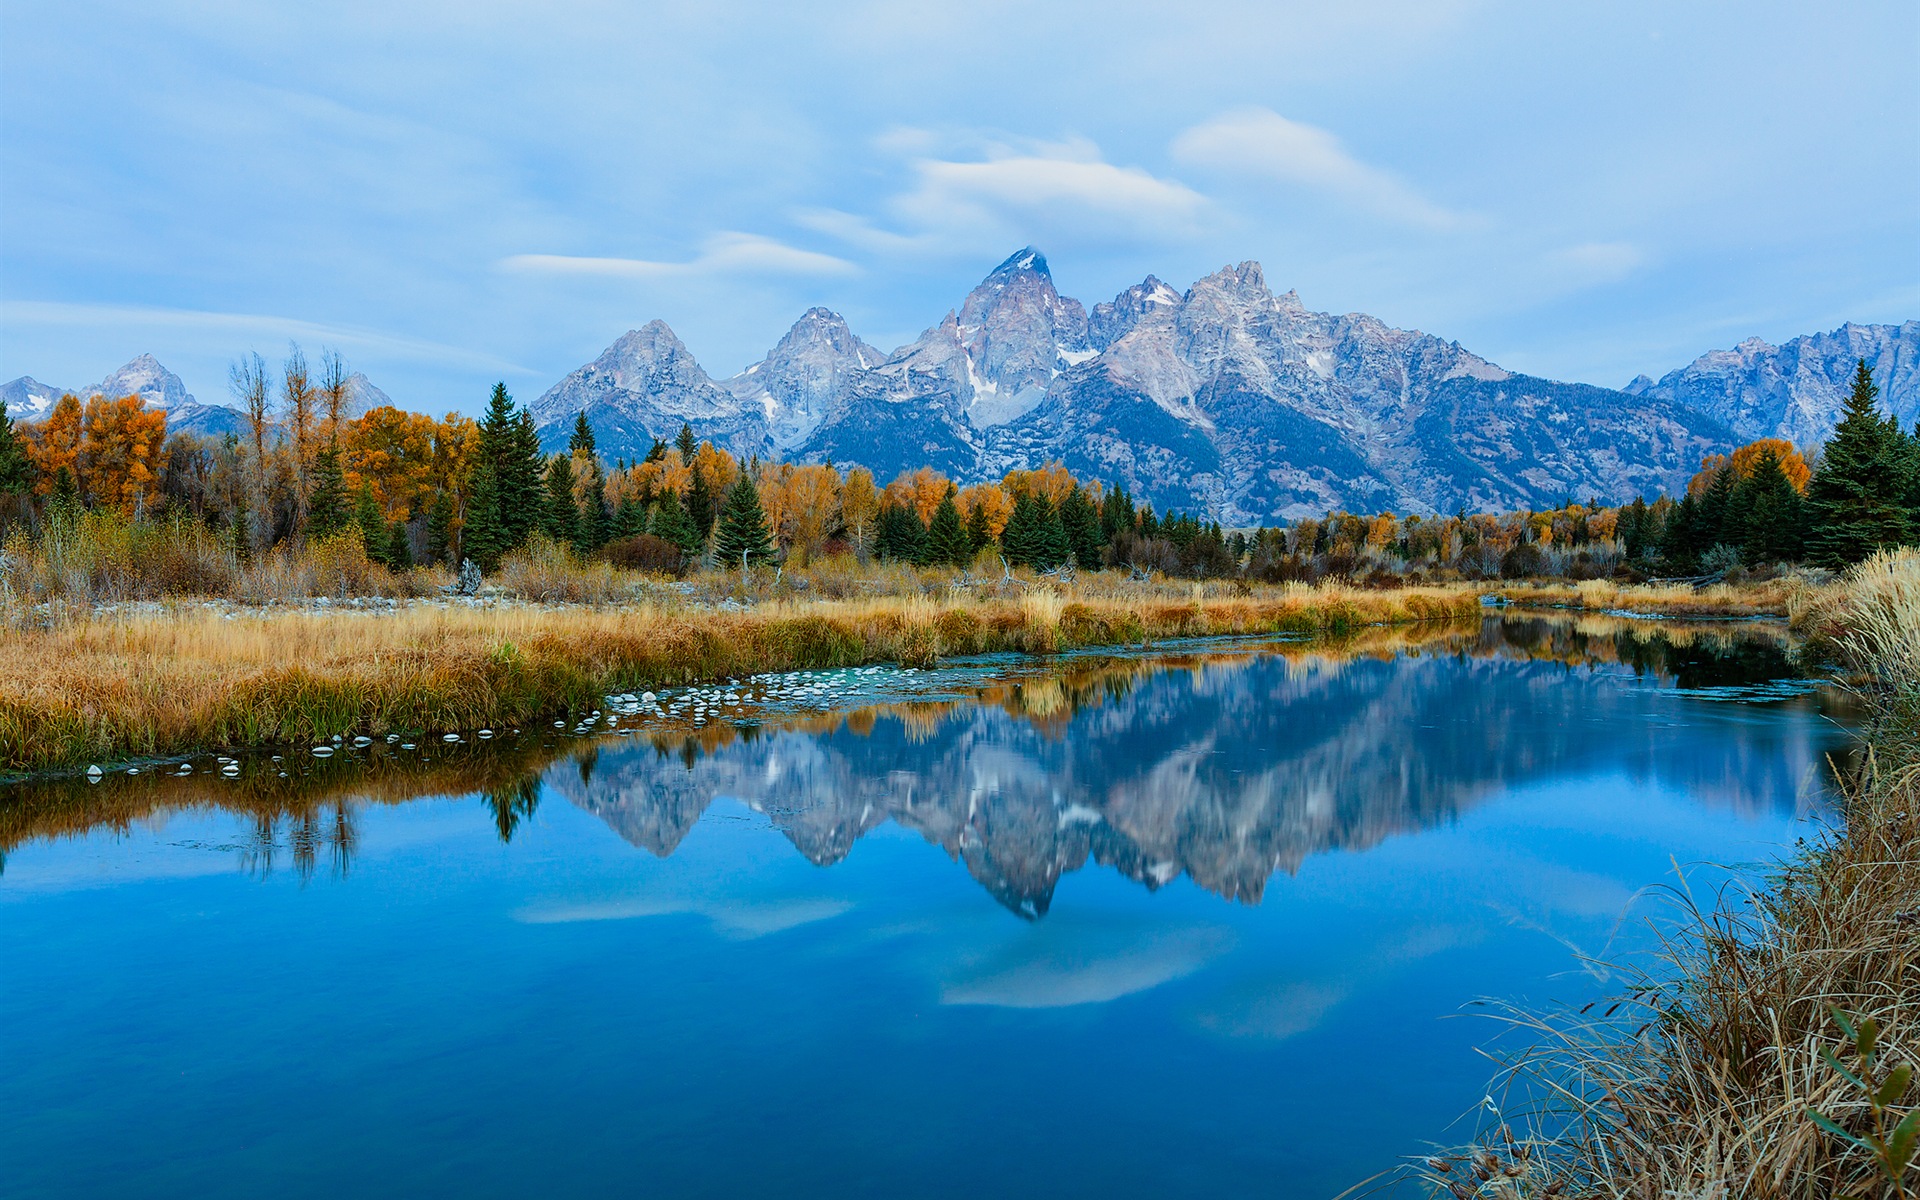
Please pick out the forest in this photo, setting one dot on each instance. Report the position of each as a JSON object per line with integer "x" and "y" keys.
{"x": 99, "y": 498}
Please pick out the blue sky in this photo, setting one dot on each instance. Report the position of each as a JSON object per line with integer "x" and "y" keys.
{"x": 454, "y": 193}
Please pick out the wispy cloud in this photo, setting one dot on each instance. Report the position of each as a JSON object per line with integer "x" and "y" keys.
{"x": 734, "y": 918}
{"x": 722, "y": 254}
{"x": 985, "y": 193}
{"x": 1261, "y": 143}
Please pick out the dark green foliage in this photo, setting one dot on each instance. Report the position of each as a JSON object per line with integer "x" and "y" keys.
{"x": 1854, "y": 501}
{"x": 658, "y": 450}
{"x": 700, "y": 509}
{"x": 373, "y": 527}
{"x": 1637, "y": 529}
{"x": 399, "y": 546}
{"x": 898, "y": 535}
{"x": 1718, "y": 520}
{"x": 1034, "y": 536}
{"x": 979, "y": 533}
{"x": 1770, "y": 513}
{"x": 327, "y": 511}
{"x": 237, "y": 540}
{"x": 16, "y": 470}
{"x": 559, "y": 519}
{"x": 1080, "y": 521}
{"x": 947, "y": 541}
{"x": 629, "y": 520}
{"x": 670, "y": 522}
{"x": 507, "y": 492}
{"x": 1116, "y": 514}
{"x": 1684, "y": 538}
{"x": 744, "y": 536}
{"x": 685, "y": 444}
{"x": 581, "y": 440}
{"x": 596, "y": 522}
{"x": 482, "y": 540}
{"x": 440, "y": 528}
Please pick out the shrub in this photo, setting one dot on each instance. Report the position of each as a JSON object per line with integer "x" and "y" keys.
{"x": 654, "y": 555}
{"x": 1524, "y": 561}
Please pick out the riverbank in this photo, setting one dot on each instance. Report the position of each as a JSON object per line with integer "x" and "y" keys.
{"x": 172, "y": 677}
{"x": 1768, "y": 1052}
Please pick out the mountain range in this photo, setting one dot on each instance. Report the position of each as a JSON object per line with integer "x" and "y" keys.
{"x": 1224, "y": 399}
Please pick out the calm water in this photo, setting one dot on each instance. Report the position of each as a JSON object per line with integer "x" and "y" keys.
{"x": 1188, "y": 924}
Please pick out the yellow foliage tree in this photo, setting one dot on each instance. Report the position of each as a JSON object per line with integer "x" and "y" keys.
{"x": 859, "y": 504}
{"x": 990, "y": 496}
{"x": 813, "y": 505}
{"x": 120, "y": 452}
{"x": 55, "y": 442}
{"x": 396, "y": 453}
{"x": 921, "y": 490}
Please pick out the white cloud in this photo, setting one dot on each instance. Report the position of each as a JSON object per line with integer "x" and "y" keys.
{"x": 722, "y": 254}
{"x": 1262, "y": 143}
{"x": 732, "y": 918}
{"x": 1061, "y": 964}
{"x": 987, "y": 194}
{"x": 1593, "y": 263}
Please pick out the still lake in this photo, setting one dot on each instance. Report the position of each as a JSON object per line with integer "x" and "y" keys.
{"x": 1205, "y": 920}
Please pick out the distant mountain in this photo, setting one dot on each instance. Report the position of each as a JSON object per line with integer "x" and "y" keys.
{"x": 364, "y": 394}
{"x": 28, "y": 399}
{"x": 1226, "y": 400}
{"x": 1796, "y": 391}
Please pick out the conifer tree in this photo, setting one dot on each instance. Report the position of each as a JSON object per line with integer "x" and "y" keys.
{"x": 1052, "y": 547}
{"x": 581, "y": 440}
{"x": 16, "y": 469}
{"x": 399, "y": 546}
{"x": 670, "y": 522}
{"x": 440, "y": 527}
{"x": 979, "y": 532}
{"x": 685, "y": 443}
{"x": 1019, "y": 540}
{"x": 1718, "y": 522}
{"x": 898, "y": 535}
{"x": 560, "y": 520}
{"x": 327, "y": 511}
{"x": 482, "y": 539}
{"x": 1853, "y": 501}
{"x": 1680, "y": 541}
{"x": 1635, "y": 531}
{"x": 595, "y": 522}
{"x": 1770, "y": 508}
{"x": 629, "y": 519}
{"x": 373, "y": 527}
{"x": 509, "y": 460}
{"x": 1080, "y": 521}
{"x": 700, "y": 507}
{"x": 744, "y": 536}
{"x": 947, "y": 541}
{"x": 1116, "y": 514}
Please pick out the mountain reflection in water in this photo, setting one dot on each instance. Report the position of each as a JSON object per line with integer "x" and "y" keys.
{"x": 1225, "y": 764}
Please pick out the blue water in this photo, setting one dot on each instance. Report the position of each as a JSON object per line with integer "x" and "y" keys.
{"x": 1206, "y": 924}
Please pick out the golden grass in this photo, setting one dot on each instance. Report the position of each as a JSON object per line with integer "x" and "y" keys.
{"x": 1777, "y": 597}
{"x": 1766, "y": 1054}
{"x": 190, "y": 677}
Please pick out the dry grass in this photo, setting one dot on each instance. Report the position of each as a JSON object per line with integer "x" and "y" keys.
{"x": 1777, "y": 597}
{"x": 193, "y": 677}
{"x": 1768, "y": 1052}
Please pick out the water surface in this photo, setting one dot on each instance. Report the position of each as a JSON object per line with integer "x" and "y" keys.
{"x": 1198, "y": 922}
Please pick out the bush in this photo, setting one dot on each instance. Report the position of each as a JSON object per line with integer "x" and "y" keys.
{"x": 654, "y": 555}
{"x": 1524, "y": 561}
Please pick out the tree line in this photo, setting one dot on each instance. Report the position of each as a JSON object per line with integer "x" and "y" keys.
{"x": 413, "y": 489}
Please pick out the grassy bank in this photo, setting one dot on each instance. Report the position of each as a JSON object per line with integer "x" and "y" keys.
{"x": 1769, "y": 1051}
{"x": 190, "y": 678}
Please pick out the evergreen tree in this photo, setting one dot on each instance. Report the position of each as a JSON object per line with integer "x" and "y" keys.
{"x": 16, "y": 469}
{"x": 947, "y": 541}
{"x": 559, "y": 519}
{"x": 1853, "y": 501}
{"x": 399, "y": 546}
{"x": 898, "y": 535}
{"x": 1718, "y": 522}
{"x": 685, "y": 444}
{"x": 1019, "y": 540}
{"x": 1116, "y": 514}
{"x": 596, "y": 522}
{"x": 1680, "y": 541}
{"x": 1081, "y": 523}
{"x": 629, "y": 520}
{"x": 440, "y": 527}
{"x": 700, "y": 506}
{"x": 744, "y": 536}
{"x": 1052, "y": 547}
{"x": 64, "y": 502}
{"x": 1771, "y": 517}
{"x": 1635, "y": 529}
{"x": 327, "y": 511}
{"x": 658, "y": 450}
{"x": 979, "y": 532}
{"x": 482, "y": 539}
{"x": 509, "y": 463}
{"x": 670, "y": 522}
{"x": 581, "y": 440}
{"x": 373, "y": 527}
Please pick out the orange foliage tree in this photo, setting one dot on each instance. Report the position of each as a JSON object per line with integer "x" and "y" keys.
{"x": 120, "y": 452}
{"x": 1743, "y": 460}
{"x": 990, "y": 496}
{"x": 55, "y": 442}
{"x": 395, "y": 453}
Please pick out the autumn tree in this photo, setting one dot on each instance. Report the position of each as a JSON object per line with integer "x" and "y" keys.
{"x": 393, "y": 452}
{"x": 120, "y": 453}
{"x": 859, "y": 505}
{"x": 247, "y": 380}
{"x": 54, "y": 444}
{"x": 335, "y": 394}
{"x": 297, "y": 403}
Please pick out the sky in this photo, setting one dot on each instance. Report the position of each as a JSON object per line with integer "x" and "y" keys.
{"x": 454, "y": 193}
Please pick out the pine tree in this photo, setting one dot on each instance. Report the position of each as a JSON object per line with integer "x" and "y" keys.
{"x": 1771, "y": 517}
{"x": 947, "y": 541}
{"x": 1051, "y": 547}
{"x": 399, "y": 547}
{"x": 16, "y": 469}
{"x": 685, "y": 444}
{"x": 629, "y": 520}
{"x": 1680, "y": 541}
{"x": 520, "y": 484}
{"x": 581, "y": 441}
{"x": 596, "y": 522}
{"x": 898, "y": 535}
{"x": 65, "y": 499}
{"x": 1853, "y": 501}
{"x": 373, "y": 527}
{"x": 700, "y": 505}
{"x": 1635, "y": 529}
{"x": 1080, "y": 520}
{"x": 559, "y": 519}
{"x": 509, "y": 463}
{"x": 482, "y": 539}
{"x": 327, "y": 511}
{"x": 1116, "y": 514}
{"x": 979, "y": 533}
{"x": 1019, "y": 540}
{"x": 1719, "y": 523}
{"x": 440, "y": 528}
{"x": 670, "y": 522}
{"x": 744, "y": 535}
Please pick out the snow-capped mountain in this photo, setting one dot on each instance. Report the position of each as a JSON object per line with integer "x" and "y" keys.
{"x": 1798, "y": 390}
{"x": 645, "y": 386}
{"x": 1225, "y": 399}
{"x": 28, "y": 399}
{"x": 799, "y": 380}
{"x": 146, "y": 378}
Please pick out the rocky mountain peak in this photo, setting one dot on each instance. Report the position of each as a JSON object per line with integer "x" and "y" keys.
{"x": 1113, "y": 319}
{"x": 796, "y": 383}
{"x": 146, "y": 378}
